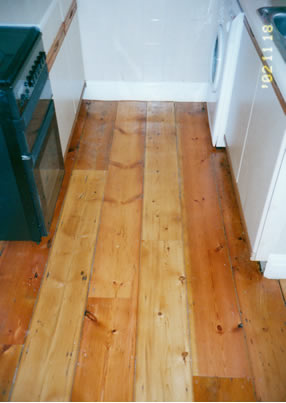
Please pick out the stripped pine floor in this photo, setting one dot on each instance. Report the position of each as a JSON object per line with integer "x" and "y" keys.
{"x": 147, "y": 292}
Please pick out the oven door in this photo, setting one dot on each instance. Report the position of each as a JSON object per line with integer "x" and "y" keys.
{"x": 43, "y": 159}
{"x": 48, "y": 165}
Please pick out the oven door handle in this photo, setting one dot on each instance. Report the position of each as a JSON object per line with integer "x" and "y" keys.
{"x": 43, "y": 132}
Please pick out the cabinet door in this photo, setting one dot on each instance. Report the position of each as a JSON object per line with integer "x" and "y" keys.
{"x": 75, "y": 61}
{"x": 246, "y": 76}
{"x": 261, "y": 160}
{"x": 60, "y": 77}
{"x": 273, "y": 239}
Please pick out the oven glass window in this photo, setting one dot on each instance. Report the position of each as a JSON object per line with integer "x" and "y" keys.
{"x": 49, "y": 171}
{"x": 38, "y": 115}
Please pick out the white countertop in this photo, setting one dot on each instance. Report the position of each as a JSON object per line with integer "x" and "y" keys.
{"x": 278, "y": 64}
{"x": 45, "y": 14}
{"x": 25, "y": 12}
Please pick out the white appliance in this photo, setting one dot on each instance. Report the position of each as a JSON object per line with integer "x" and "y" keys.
{"x": 223, "y": 66}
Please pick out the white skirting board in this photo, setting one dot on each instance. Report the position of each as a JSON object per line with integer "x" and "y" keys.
{"x": 147, "y": 91}
{"x": 275, "y": 267}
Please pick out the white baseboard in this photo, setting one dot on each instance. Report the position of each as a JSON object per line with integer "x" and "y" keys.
{"x": 147, "y": 91}
{"x": 276, "y": 267}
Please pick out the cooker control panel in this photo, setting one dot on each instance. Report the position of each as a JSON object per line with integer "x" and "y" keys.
{"x": 30, "y": 75}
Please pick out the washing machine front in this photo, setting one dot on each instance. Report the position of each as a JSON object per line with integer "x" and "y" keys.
{"x": 221, "y": 63}
{"x": 216, "y": 72}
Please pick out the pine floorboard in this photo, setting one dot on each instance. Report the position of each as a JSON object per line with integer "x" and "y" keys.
{"x": 47, "y": 366}
{"x": 163, "y": 362}
{"x": 218, "y": 345}
{"x": 96, "y": 141}
{"x": 9, "y": 357}
{"x": 105, "y": 369}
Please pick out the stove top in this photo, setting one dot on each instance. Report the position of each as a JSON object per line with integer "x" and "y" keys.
{"x": 15, "y": 45}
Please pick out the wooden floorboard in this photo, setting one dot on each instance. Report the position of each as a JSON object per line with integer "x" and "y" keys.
{"x": 163, "y": 356}
{"x": 212, "y": 389}
{"x": 261, "y": 302}
{"x": 105, "y": 369}
{"x": 163, "y": 361}
{"x": 161, "y": 210}
{"x": 97, "y": 136}
{"x": 176, "y": 243}
{"x": 9, "y": 357}
{"x": 106, "y": 360}
{"x": 117, "y": 251}
{"x": 218, "y": 345}
{"x": 48, "y": 361}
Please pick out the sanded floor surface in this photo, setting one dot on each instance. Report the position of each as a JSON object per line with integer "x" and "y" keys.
{"x": 147, "y": 291}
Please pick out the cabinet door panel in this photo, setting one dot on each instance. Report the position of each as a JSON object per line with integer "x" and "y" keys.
{"x": 274, "y": 232}
{"x": 75, "y": 61}
{"x": 246, "y": 76}
{"x": 63, "y": 95}
{"x": 261, "y": 159}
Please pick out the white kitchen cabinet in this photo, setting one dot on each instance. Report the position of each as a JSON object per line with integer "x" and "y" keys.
{"x": 273, "y": 239}
{"x": 261, "y": 162}
{"x": 75, "y": 61}
{"x": 246, "y": 76}
{"x": 256, "y": 141}
{"x": 60, "y": 77}
{"x": 67, "y": 80}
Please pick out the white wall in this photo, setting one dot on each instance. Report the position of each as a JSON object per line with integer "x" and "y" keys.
{"x": 147, "y": 49}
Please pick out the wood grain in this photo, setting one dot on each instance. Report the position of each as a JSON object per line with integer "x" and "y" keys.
{"x": 21, "y": 268}
{"x": 163, "y": 359}
{"x": 9, "y": 357}
{"x": 223, "y": 389}
{"x": 161, "y": 211}
{"x": 117, "y": 251}
{"x": 97, "y": 136}
{"x": 218, "y": 346}
{"x": 118, "y": 241}
{"x": 49, "y": 357}
{"x": 261, "y": 302}
{"x": 129, "y": 134}
{"x": 163, "y": 362}
{"x": 106, "y": 361}
{"x": 105, "y": 369}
